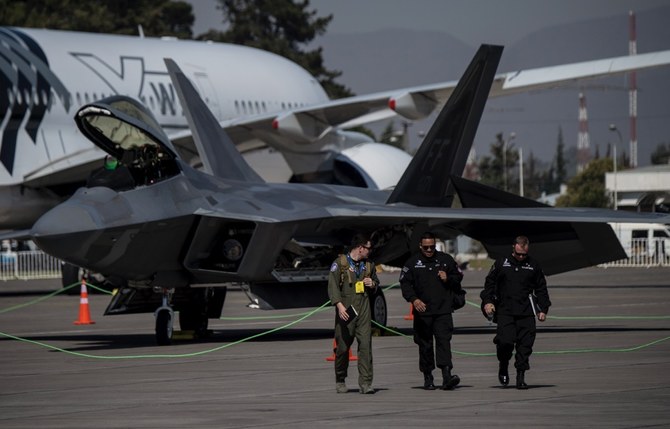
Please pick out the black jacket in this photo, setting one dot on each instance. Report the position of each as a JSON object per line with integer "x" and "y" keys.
{"x": 419, "y": 279}
{"x": 508, "y": 284}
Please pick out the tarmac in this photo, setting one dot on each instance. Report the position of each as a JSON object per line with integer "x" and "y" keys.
{"x": 601, "y": 360}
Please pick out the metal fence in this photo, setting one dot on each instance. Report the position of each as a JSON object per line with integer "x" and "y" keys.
{"x": 644, "y": 253}
{"x": 35, "y": 264}
{"x": 28, "y": 265}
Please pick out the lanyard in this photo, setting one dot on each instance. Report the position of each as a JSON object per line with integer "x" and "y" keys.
{"x": 357, "y": 268}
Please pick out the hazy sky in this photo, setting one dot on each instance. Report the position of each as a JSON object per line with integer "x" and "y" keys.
{"x": 473, "y": 21}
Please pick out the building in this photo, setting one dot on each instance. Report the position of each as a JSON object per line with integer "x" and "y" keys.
{"x": 643, "y": 189}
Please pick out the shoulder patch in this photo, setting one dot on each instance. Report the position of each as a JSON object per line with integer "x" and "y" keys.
{"x": 333, "y": 267}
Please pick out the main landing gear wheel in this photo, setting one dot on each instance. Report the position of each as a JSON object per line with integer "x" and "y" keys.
{"x": 378, "y": 308}
{"x": 193, "y": 314}
{"x": 164, "y": 327}
{"x": 194, "y": 319}
{"x": 71, "y": 275}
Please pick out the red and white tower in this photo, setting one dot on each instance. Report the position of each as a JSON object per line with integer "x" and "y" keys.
{"x": 583, "y": 144}
{"x": 632, "y": 91}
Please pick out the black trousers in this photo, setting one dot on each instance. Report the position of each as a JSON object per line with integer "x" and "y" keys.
{"x": 516, "y": 331}
{"x": 441, "y": 327}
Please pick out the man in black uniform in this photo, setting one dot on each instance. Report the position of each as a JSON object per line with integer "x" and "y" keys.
{"x": 515, "y": 292}
{"x": 429, "y": 281}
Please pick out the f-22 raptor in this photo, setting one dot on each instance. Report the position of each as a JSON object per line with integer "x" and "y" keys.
{"x": 172, "y": 236}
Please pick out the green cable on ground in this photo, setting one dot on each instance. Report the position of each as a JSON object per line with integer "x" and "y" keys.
{"x": 49, "y": 295}
{"x": 622, "y": 350}
{"x": 283, "y": 316}
{"x": 181, "y": 355}
{"x": 29, "y": 303}
{"x": 306, "y": 315}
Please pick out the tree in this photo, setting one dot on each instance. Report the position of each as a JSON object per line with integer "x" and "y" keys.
{"x": 560, "y": 169}
{"x": 282, "y": 27}
{"x": 533, "y": 178}
{"x": 661, "y": 155}
{"x": 587, "y": 189}
{"x": 492, "y": 169}
{"x": 157, "y": 17}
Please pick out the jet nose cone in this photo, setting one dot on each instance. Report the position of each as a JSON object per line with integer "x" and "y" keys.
{"x": 60, "y": 231}
{"x": 63, "y": 219}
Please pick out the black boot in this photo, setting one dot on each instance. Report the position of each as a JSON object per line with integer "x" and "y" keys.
{"x": 520, "y": 382}
{"x": 503, "y": 374}
{"x": 449, "y": 382}
{"x": 428, "y": 381}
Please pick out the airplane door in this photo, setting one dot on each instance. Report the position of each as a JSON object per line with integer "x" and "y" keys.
{"x": 208, "y": 93}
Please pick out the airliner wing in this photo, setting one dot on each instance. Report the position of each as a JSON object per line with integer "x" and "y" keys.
{"x": 305, "y": 125}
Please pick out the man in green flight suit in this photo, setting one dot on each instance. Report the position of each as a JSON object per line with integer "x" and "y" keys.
{"x": 352, "y": 279}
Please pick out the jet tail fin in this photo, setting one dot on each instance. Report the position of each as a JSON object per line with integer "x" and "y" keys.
{"x": 444, "y": 151}
{"x": 217, "y": 151}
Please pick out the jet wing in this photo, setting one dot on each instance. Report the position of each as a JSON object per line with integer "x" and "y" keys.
{"x": 564, "y": 239}
{"x": 308, "y": 124}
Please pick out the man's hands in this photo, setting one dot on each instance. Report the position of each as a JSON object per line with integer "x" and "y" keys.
{"x": 342, "y": 311}
{"x": 367, "y": 282}
{"x": 419, "y": 305}
{"x": 442, "y": 275}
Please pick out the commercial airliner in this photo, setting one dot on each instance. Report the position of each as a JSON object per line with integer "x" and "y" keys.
{"x": 267, "y": 104}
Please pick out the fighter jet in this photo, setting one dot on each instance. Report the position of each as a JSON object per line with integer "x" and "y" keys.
{"x": 172, "y": 236}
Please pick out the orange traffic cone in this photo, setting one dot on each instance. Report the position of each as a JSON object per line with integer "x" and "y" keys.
{"x": 410, "y": 316}
{"x": 332, "y": 357}
{"x": 84, "y": 313}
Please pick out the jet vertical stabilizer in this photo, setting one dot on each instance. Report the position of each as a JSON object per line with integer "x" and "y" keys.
{"x": 217, "y": 152}
{"x": 444, "y": 152}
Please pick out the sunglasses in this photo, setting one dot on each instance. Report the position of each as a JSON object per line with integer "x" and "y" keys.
{"x": 521, "y": 255}
{"x": 428, "y": 248}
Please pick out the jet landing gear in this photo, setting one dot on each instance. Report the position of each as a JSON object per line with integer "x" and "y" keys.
{"x": 164, "y": 320}
{"x": 193, "y": 314}
{"x": 378, "y": 308}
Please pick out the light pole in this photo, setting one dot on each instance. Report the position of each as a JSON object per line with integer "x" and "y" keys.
{"x": 511, "y": 137}
{"x": 520, "y": 171}
{"x": 616, "y": 197}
